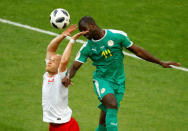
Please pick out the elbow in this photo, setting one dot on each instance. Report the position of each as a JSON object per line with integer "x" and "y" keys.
{"x": 51, "y": 48}
{"x": 76, "y": 65}
{"x": 48, "y": 48}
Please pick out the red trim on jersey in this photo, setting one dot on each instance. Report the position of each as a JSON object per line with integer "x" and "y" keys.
{"x": 51, "y": 79}
{"x": 72, "y": 125}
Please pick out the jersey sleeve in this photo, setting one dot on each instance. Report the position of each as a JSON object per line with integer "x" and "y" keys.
{"x": 82, "y": 54}
{"x": 125, "y": 40}
{"x": 62, "y": 74}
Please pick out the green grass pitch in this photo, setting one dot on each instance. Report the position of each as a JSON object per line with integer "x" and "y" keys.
{"x": 156, "y": 99}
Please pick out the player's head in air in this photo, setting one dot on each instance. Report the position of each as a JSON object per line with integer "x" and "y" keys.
{"x": 87, "y": 23}
{"x": 53, "y": 64}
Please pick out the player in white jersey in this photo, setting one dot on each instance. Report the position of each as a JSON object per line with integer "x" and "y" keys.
{"x": 54, "y": 94}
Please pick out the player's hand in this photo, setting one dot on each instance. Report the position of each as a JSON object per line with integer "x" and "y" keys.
{"x": 66, "y": 82}
{"x": 76, "y": 36}
{"x": 69, "y": 30}
{"x": 169, "y": 64}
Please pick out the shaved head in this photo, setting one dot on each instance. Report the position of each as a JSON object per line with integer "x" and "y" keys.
{"x": 87, "y": 23}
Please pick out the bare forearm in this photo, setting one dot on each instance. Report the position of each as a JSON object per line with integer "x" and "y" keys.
{"x": 72, "y": 72}
{"x": 140, "y": 52}
{"x": 147, "y": 56}
{"x": 55, "y": 43}
{"x": 73, "y": 69}
{"x": 67, "y": 53}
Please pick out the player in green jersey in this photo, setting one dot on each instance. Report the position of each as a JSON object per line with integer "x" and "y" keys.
{"x": 104, "y": 48}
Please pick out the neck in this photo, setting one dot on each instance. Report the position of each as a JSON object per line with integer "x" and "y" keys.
{"x": 51, "y": 74}
{"x": 98, "y": 34}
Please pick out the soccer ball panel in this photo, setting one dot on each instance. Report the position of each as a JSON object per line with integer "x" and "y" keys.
{"x": 59, "y": 18}
{"x": 55, "y": 12}
{"x": 54, "y": 25}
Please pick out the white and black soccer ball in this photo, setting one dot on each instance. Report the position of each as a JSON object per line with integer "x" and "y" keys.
{"x": 59, "y": 18}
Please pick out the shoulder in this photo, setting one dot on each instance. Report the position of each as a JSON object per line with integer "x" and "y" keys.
{"x": 86, "y": 45}
{"x": 45, "y": 75}
{"x": 61, "y": 75}
{"x": 117, "y": 32}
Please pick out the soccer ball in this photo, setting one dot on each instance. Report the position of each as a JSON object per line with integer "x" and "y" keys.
{"x": 59, "y": 18}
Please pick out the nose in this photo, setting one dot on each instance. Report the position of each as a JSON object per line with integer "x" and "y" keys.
{"x": 50, "y": 62}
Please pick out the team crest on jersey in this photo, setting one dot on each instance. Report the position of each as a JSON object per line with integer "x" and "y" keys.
{"x": 110, "y": 43}
{"x": 103, "y": 90}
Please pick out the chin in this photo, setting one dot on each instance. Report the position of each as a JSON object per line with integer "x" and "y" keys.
{"x": 48, "y": 69}
{"x": 51, "y": 70}
{"x": 89, "y": 38}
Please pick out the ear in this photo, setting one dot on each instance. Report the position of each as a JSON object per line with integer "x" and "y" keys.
{"x": 92, "y": 25}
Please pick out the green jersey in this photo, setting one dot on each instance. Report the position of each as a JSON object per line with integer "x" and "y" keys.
{"x": 106, "y": 54}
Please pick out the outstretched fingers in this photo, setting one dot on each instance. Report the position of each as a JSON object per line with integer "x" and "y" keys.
{"x": 72, "y": 28}
{"x": 69, "y": 30}
{"x": 76, "y": 36}
{"x": 170, "y": 64}
{"x": 174, "y": 63}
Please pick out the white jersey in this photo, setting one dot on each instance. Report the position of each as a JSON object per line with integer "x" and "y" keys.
{"x": 55, "y": 99}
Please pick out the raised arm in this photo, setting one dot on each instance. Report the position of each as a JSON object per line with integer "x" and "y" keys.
{"x": 53, "y": 45}
{"x": 67, "y": 52}
{"x": 140, "y": 52}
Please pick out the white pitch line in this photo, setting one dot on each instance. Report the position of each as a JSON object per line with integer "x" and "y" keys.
{"x": 134, "y": 56}
{"x": 79, "y": 41}
{"x": 35, "y": 29}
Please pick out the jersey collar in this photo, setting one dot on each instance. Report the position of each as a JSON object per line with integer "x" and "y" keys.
{"x": 101, "y": 38}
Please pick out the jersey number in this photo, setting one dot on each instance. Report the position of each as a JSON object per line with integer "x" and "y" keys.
{"x": 105, "y": 53}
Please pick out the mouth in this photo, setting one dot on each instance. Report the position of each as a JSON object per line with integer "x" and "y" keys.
{"x": 48, "y": 65}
